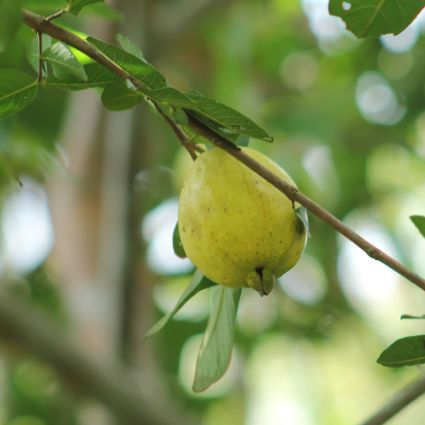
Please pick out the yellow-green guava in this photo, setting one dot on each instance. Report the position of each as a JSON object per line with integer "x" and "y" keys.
{"x": 236, "y": 227}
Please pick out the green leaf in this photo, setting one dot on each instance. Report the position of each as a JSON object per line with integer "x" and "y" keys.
{"x": 17, "y": 91}
{"x": 10, "y": 19}
{"x": 197, "y": 284}
{"x": 301, "y": 213}
{"x": 97, "y": 76}
{"x": 228, "y": 121}
{"x": 419, "y": 222}
{"x": 409, "y": 316}
{"x": 177, "y": 243}
{"x": 117, "y": 96}
{"x": 407, "y": 351}
{"x": 130, "y": 47}
{"x": 32, "y": 49}
{"x": 75, "y": 6}
{"x": 216, "y": 347}
{"x": 372, "y": 18}
{"x": 63, "y": 62}
{"x": 145, "y": 72}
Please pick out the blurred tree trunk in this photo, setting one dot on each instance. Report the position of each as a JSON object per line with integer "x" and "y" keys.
{"x": 97, "y": 218}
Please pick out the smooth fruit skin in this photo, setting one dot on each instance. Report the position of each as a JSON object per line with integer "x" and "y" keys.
{"x": 234, "y": 224}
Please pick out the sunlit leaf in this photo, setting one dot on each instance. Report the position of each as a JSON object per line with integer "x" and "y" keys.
{"x": 75, "y": 6}
{"x": 197, "y": 284}
{"x": 177, "y": 243}
{"x": 10, "y": 19}
{"x": 145, "y": 72}
{"x": 404, "y": 352}
{"x": 63, "y": 62}
{"x": 217, "y": 345}
{"x": 17, "y": 91}
{"x": 419, "y": 222}
{"x": 97, "y": 76}
{"x": 371, "y": 18}
{"x": 130, "y": 47}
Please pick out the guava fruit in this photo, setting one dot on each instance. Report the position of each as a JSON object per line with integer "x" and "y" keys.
{"x": 236, "y": 227}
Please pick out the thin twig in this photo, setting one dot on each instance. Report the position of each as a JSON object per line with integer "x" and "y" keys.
{"x": 40, "y": 25}
{"x": 398, "y": 402}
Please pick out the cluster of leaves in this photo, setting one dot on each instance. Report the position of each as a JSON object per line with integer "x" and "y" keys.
{"x": 57, "y": 66}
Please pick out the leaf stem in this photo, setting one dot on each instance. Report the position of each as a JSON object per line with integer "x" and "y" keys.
{"x": 400, "y": 400}
{"x": 40, "y": 56}
{"x": 39, "y": 24}
{"x": 55, "y": 15}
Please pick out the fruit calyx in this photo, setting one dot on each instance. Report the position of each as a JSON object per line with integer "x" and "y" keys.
{"x": 261, "y": 279}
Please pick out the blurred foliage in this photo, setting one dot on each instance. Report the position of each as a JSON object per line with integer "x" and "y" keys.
{"x": 348, "y": 118}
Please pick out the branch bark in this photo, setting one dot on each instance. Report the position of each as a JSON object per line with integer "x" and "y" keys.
{"x": 112, "y": 386}
{"x": 39, "y": 24}
{"x": 398, "y": 402}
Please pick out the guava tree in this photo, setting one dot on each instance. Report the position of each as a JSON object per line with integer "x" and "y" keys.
{"x": 58, "y": 57}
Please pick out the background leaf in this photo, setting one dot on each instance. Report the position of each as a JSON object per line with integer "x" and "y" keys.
{"x": 10, "y": 19}
{"x": 419, "y": 222}
{"x": 177, "y": 243}
{"x": 217, "y": 345}
{"x": 63, "y": 62}
{"x": 145, "y": 72}
{"x": 75, "y": 6}
{"x": 404, "y": 352}
{"x": 17, "y": 91}
{"x": 410, "y": 316}
{"x": 371, "y": 18}
{"x": 197, "y": 284}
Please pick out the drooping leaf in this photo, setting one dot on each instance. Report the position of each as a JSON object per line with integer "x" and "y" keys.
{"x": 17, "y": 91}
{"x": 171, "y": 96}
{"x": 75, "y": 6}
{"x": 10, "y": 19}
{"x": 226, "y": 119}
{"x": 145, "y": 72}
{"x": 130, "y": 47}
{"x": 32, "y": 49}
{"x": 228, "y": 122}
{"x": 404, "y": 352}
{"x": 419, "y": 222}
{"x": 97, "y": 76}
{"x": 118, "y": 96}
{"x": 409, "y": 316}
{"x": 217, "y": 345}
{"x": 63, "y": 62}
{"x": 372, "y": 18}
{"x": 197, "y": 284}
{"x": 177, "y": 243}
{"x": 301, "y": 213}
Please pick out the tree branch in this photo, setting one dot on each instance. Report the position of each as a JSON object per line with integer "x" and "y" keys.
{"x": 113, "y": 387}
{"x": 39, "y": 24}
{"x": 398, "y": 402}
